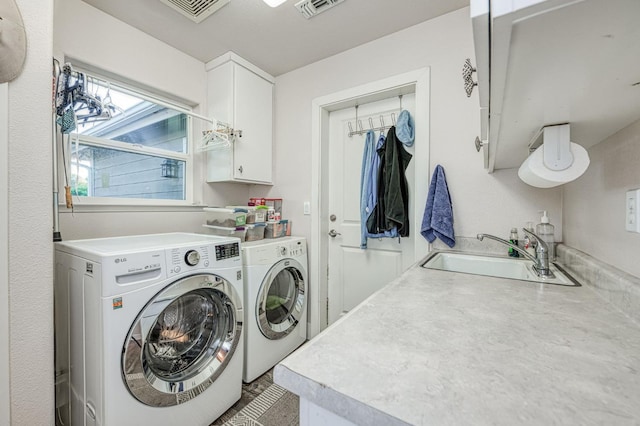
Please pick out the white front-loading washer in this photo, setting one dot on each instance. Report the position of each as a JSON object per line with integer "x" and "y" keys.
{"x": 276, "y": 290}
{"x": 148, "y": 329}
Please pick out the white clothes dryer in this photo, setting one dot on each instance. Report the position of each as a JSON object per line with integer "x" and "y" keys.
{"x": 275, "y": 301}
{"x": 148, "y": 329}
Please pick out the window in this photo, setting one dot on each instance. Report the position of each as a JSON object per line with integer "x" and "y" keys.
{"x": 125, "y": 146}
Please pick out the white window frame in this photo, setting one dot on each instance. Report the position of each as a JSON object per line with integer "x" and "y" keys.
{"x": 188, "y": 157}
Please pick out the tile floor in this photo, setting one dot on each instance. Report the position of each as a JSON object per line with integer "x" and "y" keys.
{"x": 262, "y": 404}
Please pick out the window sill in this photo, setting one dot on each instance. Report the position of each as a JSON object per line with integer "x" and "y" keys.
{"x": 104, "y": 208}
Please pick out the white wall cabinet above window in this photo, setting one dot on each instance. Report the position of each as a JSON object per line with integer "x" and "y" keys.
{"x": 242, "y": 96}
{"x": 553, "y": 62}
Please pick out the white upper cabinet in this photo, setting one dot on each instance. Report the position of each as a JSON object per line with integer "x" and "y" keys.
{"x": 552, "y": 62}
{"x": 242, "y": 96}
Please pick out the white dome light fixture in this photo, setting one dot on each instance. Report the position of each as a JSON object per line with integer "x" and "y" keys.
{"x": 274, "y": 3}
{"x": 556, "y": 161}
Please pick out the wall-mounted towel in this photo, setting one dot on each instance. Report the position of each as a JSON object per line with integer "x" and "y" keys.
{"x": 438, "y": 213}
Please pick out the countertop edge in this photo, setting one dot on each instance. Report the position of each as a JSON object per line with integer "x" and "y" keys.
{"x": 329, "y": 399}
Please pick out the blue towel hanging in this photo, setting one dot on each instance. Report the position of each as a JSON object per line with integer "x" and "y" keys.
{"x": 438, "y": 213}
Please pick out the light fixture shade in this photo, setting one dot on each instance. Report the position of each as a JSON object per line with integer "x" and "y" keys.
{"x": 274, "y": 3}
{"x": 534, "y": 172}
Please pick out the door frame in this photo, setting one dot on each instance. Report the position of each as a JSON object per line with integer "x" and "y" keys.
{"x": 411, "y": 82}
{"x": 5, "y": 395}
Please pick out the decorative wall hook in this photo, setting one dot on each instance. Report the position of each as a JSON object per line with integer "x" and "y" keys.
{"x": 467, "y": 77}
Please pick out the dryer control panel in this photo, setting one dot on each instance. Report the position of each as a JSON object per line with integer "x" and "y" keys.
{"x": 293, "y": 249}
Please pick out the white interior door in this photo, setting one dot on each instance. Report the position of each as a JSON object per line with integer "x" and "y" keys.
{"x": 355, "y": 273}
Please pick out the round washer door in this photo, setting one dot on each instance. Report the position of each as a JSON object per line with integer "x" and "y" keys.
{"x": 281, "y": 299}
{"x": 182, "y": 340}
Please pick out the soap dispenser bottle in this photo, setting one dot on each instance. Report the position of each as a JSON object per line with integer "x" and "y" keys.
{"x": 546, "y": 231}
{"x": 513, "y": 239}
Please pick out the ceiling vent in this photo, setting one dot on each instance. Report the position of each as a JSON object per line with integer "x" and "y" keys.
{"x": 196, "y": 10}
{"x": 310, "y": 8}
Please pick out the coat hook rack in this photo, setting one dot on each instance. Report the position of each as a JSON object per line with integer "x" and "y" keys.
{"x": 359, "y": 130}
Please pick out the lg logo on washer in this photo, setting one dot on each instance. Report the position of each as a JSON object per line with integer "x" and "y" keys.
{"x": 120, "y": 259}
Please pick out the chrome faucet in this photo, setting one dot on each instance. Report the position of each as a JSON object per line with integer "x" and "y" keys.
{"x": 541, "y": 259}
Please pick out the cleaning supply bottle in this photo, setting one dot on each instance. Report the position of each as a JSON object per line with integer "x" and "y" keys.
{"x": 513, "y": 239}
{"x": 528, "y": 242}
{"x": 545, "y": 230}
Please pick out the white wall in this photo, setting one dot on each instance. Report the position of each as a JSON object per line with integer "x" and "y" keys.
{"x": 594, "y": 204}
{"x": 481, "y": 202}
{"x": 86, "y": 34}
{"x": 30, "y": 237}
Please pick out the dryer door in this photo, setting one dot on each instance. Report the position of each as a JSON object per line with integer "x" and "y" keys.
{"x": 281, "y": 299}
{"x": 182, "y": 340}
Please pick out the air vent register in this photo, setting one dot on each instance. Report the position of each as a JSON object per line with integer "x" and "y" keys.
{"x": 196, "y": 10}
{"x": 310, "y": 8}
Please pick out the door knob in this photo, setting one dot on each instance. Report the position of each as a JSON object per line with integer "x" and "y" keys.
{"x": 333, "y": 233}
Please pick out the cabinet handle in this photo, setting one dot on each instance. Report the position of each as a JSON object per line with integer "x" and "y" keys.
{"x": 240, "y": 169}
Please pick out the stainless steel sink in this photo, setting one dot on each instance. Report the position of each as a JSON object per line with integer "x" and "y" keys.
{"x": 495, "y": 266}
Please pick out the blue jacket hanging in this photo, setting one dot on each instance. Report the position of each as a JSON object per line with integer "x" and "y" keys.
{"x": 369, "y": 187}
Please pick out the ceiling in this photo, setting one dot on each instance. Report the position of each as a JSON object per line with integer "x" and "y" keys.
{"x": 279, "y": 39}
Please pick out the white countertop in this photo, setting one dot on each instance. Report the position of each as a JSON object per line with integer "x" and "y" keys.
{"x": 437, "y": 347}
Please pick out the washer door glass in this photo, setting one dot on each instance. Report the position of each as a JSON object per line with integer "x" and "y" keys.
{"x": 182, "y": 340}
{"x": 281, "y": 302}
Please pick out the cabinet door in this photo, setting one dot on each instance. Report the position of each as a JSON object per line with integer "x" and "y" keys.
{"x": 253, "y": 114}
{"x": 559, "y": 61}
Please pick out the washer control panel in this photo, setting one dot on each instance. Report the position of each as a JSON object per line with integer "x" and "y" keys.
{"x": 227, "y": 251}
{"x": 183, "y": 259}
{"x": 192, "y": 257}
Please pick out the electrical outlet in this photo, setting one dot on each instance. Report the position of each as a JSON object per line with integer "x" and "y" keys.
{"x": 632, "y": 216}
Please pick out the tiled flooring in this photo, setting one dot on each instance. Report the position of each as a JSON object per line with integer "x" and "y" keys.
{"x": 262, "y": 404}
